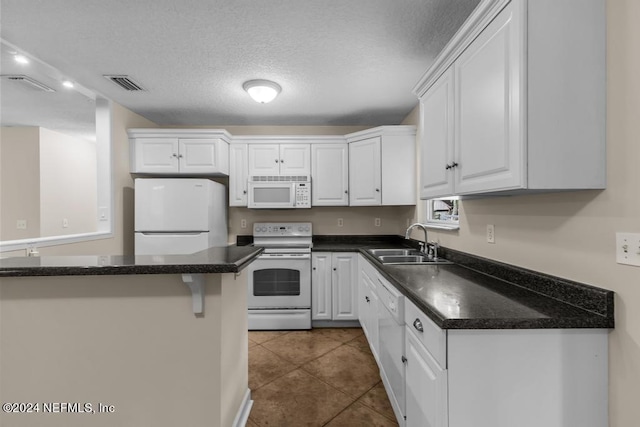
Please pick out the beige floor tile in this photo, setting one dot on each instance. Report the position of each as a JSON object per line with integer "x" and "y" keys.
{"x": 297, "y": 399}
{"x": 358, "y": 415}
{"x": 378, "y": 400}
{"x": 339, "y": 334}
{"x": 301, "y": 346}
{"x": 265, "y": 366}
{"x": 260, "y": 337}
{"x": 347, "y": 369}
{"x": 360, "y": 343}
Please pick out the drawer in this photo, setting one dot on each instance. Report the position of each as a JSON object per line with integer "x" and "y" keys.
{"x": 427, "y": 332}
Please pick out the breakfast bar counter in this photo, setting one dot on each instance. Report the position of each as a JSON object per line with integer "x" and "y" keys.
{"x": 117, "y": 340}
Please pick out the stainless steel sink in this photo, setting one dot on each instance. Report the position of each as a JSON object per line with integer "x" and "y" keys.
{"x": 404, "y": 257}
{"x": 385, "y": 252}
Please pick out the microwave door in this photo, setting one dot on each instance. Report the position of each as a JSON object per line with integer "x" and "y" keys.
{"x": 271, "y": 195}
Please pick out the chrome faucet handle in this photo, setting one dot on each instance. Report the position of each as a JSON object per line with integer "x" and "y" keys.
{"x": 433, "y": 249}
{"x": 421, "y": 246}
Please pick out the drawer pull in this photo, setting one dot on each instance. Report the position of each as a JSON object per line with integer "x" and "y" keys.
{"x": 418, "y": 325}
{"x": 366, "y": 299}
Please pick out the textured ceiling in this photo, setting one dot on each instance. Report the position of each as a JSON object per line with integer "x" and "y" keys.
{"x": 339, "y": 62}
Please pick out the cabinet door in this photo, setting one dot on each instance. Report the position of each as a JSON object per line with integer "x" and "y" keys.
{"x": 264, "y": 159}
{"x": 426, "y": 386}
{"x": 489, "y": 140}
{"x": 295, "y": 159}
{"x": 365, "y": 173}
{"x": 321, "y": 286}
{"x": 436, "y": 145}
{"x": 156, "y": 155}
{"x": 238, "y": 166}
{"x": 345, "y": 286}
{"x": 329, "y": 174}
{"x": 203, "y": 156}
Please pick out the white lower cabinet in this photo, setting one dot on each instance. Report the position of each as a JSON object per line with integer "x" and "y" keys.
{"x": 426, "y": 385}
{"x": 368, "y": 305}
{"x": 493, "y": 377}
{"x": 334, "y": 286}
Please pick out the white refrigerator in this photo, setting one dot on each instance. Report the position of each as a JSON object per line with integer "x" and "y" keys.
{"x": 179, "y": 215}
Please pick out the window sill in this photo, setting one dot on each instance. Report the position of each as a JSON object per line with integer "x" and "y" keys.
{"x": 442, "y": 226}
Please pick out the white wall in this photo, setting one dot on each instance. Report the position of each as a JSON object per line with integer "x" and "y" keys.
{"x": 68, "y": 184}
{"x": 572, "y": 235}
{"x": 19, "y": 182}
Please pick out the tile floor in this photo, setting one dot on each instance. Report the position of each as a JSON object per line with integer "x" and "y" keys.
{"x": 321, "y": 377}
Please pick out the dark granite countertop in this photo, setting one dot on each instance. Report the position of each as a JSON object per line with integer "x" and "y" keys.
{"x": 228, "y": 259}
{"x": 477, "y": 293}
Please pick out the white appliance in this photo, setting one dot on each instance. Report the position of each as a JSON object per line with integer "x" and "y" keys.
{"x": 391, "y": 346}
{"x": 179, "y": 215}
{"x": 279, "y": 192}
{"x": 279, "y": 282}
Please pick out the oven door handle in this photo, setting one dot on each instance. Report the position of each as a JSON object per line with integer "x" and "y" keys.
{"x": 284, "y": 256}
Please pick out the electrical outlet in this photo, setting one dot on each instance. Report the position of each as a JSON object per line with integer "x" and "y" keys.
{"x": 628, "y": 248}
{"x": 243, "y": 223}
{"x": 21, "y": 224}
{"x": 376, "y": 222}
{"x": 491, "y": 235}
{"x": 65, "y": 223}
{"x": 340, "y": 222}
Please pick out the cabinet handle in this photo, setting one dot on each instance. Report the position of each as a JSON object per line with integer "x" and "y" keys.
{"x": 404, "y": 360}
{"x": 448, "y": 166}
{"x": 174, "y": 155}
{"x": 334, "y": 269}
{"x": 276, "y": 160}
{"x": 418, "y": 325}
{"x": 346, "y": 192}
{"x": 378, "y": 190}
{"x": 281, "y": 160}
{"x": 179, "y": 156}
{"x": 244, "y": 192}
{"x": 366, "y": 299}
{"x": 453, "y": 165}
{"x": 314, "y": 269}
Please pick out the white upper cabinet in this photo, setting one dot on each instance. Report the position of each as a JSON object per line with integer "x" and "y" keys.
{"x": 330, "y": 174}
{"x": 279, "y": 159}
{"x": 238, "y": 175}
{"x": 516, "y": 101}
{"x": 179, "y": 152}
{"x": 365, "y": 172}
{"x": 437, "y": 147}
{"x": 382, "y": 166}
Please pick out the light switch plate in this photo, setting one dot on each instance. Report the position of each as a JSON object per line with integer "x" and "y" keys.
{"x": 628, "y": 248}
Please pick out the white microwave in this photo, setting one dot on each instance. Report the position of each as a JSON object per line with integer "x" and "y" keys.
{"x": 279, "y": 192}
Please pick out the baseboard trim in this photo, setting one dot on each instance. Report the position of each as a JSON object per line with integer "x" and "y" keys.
{"x": 335, "y": 324}
{"x": 243, "y": 412}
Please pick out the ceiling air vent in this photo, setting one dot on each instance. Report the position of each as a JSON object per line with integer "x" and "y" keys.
{"x": 28, "y": 82}
{"x": 125, "y": 83}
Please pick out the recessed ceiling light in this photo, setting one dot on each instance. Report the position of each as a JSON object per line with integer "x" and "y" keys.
{"x": 21, "y": 59}
{"x": 262, "y": 91}
{"x": 68, "y": 84}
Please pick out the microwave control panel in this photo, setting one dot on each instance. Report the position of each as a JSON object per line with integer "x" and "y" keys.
{"x": 303, "y": 195}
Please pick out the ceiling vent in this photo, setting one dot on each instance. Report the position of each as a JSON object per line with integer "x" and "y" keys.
{"x": 125, "y": 83}
{"x": 28, "y": 82}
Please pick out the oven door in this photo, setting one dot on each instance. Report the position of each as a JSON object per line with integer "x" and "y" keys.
{"x": 280, "y": 281}
{"x": 271, "y": 195}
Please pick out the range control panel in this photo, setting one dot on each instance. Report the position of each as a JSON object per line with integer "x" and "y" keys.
{"x": 266, "y": 229}
{"x": 303, "y": 194}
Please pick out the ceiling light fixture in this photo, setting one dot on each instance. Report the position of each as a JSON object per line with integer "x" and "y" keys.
{"x": 262, "y": 91}
{"x": 68, "y": 84}
{"x": 21, "y": 59}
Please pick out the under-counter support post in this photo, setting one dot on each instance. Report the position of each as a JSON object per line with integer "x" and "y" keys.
{"x": 195, "y": 282}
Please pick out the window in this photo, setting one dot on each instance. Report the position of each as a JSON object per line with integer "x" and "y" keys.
{"x": 443, "y": 213}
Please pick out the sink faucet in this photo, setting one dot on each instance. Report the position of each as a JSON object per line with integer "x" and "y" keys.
{"x": 411, "y": 227}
